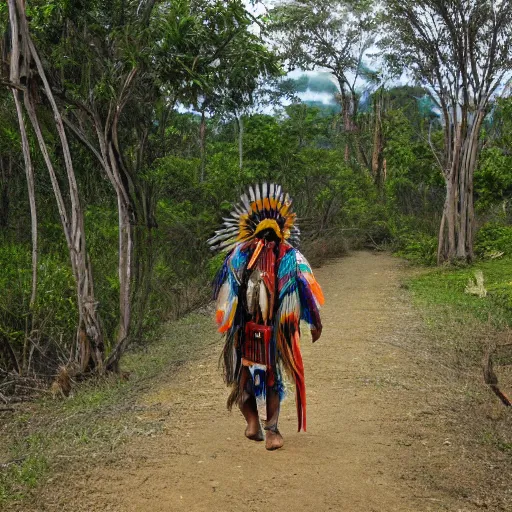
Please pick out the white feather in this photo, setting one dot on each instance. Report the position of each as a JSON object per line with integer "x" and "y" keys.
{"x": 263, "y": 300}
{"x": 223, "y": 296}
{"x": 252, "y": 291}
{"x": 245, "y": 200}
{"x": 250, "y": 296}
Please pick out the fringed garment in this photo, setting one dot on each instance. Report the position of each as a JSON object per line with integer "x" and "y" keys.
{"x": 266, "y": 283}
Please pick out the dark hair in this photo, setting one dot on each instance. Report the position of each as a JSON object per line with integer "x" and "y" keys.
{"x": 268, "y": 234}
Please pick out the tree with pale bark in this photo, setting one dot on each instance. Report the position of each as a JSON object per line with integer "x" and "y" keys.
{"x": 26, "y": 62}
{"x": 109, "y": 73}
{"x": 333, "y": 36}
{"x": 461, "y": 51}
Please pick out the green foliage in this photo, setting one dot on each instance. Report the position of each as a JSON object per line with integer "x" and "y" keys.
{"x": 55, "y": 308}
{"x": 206, "y": 54}
{"x": 418, "y": 247}
{"x": 414, "y": 189}
{"x": 494, "y": 240}
{"x": 102, "y": 236}
{"x": 316, "y": 33}
{"x": 20, "y": 477}
{"x": 493, "y": 178}
{"x": 407, "y": 153}
{"x": 206, "y": 47}
{"x": 446, "y": 287}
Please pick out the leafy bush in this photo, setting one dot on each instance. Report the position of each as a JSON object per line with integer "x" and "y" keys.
{"x": 493, "y": 178}
{"x": 54, "y": 313}
{"x": 412, "y": 239}
{"x": 492, "y": 239}
{"x": 419, "y": 247}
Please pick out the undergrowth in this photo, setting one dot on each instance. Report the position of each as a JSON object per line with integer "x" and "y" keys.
{"x": 40, "y": 438}
{"x": 446, "y": 287}
{"x": 462, "y": 326}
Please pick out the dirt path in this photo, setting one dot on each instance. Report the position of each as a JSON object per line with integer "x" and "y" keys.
{"x": 362, "y": 392}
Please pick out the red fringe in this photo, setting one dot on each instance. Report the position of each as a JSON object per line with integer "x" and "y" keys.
{"x": 300, "y": 384}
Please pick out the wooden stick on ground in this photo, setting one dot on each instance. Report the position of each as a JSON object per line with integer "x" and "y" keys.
{"x": 490, "y": 377}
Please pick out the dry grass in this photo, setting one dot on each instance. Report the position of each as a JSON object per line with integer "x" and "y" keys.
{"x": 471, "y": 424}
{"x": 38, "y": 439}
{"x": 321, "y": 249}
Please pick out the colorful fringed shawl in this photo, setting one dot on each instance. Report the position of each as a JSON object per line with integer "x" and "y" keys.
{"x": 298, "y": 297}
{"x": 265, "y": 280}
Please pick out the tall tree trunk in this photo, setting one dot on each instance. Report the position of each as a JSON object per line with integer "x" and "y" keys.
{"x": 125, "y": 207}
{"x": 29, "y": 172}
{"x": 110, "y": 158}
{"x": 90, "y": 344}
{"x": 378, "y": 144}
{"x": 345, "y": 112}
{"x": 240, "y": 146}
{"x": 456, "y": 233}
{"x": 447, "y": 240}
{"x": 468, "y": 166}
{"x": 202, "y": 144}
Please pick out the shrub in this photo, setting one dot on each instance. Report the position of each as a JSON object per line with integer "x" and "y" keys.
{"x": 54, "y": 313}
{"x": 492, "y": 239}
{"x": 418, "y": 247}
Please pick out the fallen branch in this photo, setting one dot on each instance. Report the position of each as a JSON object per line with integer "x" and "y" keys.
{"x": 490, "y": 377}
{"x": 504, "y": 398}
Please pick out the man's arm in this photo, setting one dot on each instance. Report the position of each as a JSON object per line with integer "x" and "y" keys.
{"x": 311, "y": 296}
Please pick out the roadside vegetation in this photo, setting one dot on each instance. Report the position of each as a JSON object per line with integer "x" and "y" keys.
{"x": 128, "y": 129}
{"x": 45, "y": 438}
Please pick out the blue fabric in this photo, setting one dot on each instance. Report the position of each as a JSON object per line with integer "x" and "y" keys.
{"x": 288, "y": 264}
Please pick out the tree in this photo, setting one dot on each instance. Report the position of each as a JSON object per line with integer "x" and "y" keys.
{"x": 15, "y": 79}
{"x": 461, "y": 50}
{"x": 24, "y": 55}
{"x": 321, "y": 34}
{"x": 225, "y": 80}
{"x": 110, "y": 73}
{"x": 183, "y": 50}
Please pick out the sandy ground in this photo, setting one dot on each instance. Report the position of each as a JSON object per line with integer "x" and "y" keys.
{"x": 365, "y": 396}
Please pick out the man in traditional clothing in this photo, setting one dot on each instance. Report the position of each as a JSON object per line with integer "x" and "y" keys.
{"x": 263, "y": 290}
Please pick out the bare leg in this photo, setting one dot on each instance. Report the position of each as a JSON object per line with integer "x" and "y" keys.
{"x": 249, "y": 409}
{"x": 274, "y": 439}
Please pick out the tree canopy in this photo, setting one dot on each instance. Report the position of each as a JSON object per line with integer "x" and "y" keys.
{"x": 129, "y": 126}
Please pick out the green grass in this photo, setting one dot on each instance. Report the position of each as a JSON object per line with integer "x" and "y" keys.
{"x": 17, "y": 479}
{"x": 492, "y": 439}
{"x": 100, "y": 415}
{"x": 461, "y": 327}
{"x": 445, "y": 287}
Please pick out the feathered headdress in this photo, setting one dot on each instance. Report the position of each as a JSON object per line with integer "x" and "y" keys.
{"x": 259, "y": 209}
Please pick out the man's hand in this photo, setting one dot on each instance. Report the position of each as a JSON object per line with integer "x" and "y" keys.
{"x": 316, "y": 333}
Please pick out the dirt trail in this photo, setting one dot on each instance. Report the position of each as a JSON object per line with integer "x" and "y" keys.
{"x": 355, "y": 455}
